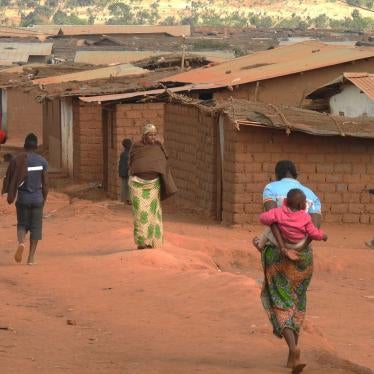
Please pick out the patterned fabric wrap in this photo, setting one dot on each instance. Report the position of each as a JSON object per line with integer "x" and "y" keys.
{"x": 285, "y": 285}
{"x": 146, "y": 208}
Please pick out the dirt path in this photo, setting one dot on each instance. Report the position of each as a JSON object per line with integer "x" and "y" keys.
{"x": 93, "y": 304}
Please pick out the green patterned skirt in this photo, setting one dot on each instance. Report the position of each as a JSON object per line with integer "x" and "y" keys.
{"x": 146, "y": 207}
{"x": 285, "y": 285}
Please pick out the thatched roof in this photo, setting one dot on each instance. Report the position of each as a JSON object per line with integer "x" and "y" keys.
{"x": 245, "y": 113}
{"x": 280, "y": 117}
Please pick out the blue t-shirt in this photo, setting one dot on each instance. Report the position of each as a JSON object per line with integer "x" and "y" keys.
{"x": 30, "y": 191}
{"x": 277, "y": 191}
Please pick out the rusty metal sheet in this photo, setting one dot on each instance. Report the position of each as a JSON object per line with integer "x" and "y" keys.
{"x": 129, "y": 95}
{"x": 110, "y": 57}
{"x": 274, "y": 63}
{"x": 70, "y": 30}
{"x": 20, "y": 52}
{"x": 19, "y": 32}
{"x": 365, "y": 82}
{"x": 87, "y": 75}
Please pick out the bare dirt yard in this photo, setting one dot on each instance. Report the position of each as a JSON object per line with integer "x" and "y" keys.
{"x": 94, "y": 304}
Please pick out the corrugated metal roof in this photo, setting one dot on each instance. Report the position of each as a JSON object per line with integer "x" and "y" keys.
{"x": 110, "y": 57}
{"x": 129, "y": 95}
{"x": 9, "y": 57}
{"x": 17, "y": 32}
{"x": 214, "y": 56}
{"x": 273, "y": 63}
{"x": 71, "y": 30}
{"x": 364, "y": 81}
{"x": 20, "y": 68}
{"x": 38, "y": 49}
{"x": 20, "y": 52}
{"x": 102, "y": 73}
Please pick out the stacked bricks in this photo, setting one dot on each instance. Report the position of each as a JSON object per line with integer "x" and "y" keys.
{"x": 190, "y": 139}
{"x": 88, "y": 141}
{"x": 129, "y": 123}
{"x": 25, "y": 115}
{"x": 337, "y": 169}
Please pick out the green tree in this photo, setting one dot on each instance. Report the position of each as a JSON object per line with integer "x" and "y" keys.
{"x": 321, "y": 22}
{"x": 61, "y": 18}
{"x": 169, "y": 21}
{"x": 121, "y": 14}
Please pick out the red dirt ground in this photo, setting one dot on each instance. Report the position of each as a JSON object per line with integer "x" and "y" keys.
{"x": 190, "y": 307}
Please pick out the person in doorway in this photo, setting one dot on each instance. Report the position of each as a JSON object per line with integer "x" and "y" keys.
{"x": 27, "y": 181}
{"x": 123, "y": 171}
{"x": 288, "y": 272}
{"x": 150, "y": 182}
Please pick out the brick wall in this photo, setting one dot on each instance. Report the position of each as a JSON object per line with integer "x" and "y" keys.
{"x": 129, "y": 120}
{"x": 25, "y": 115}
{"x": 336, "y": 168}
{"x": 88, "y": 141}
{"x": 190, "y": 139}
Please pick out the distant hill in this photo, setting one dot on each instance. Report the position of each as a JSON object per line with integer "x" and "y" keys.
{"x": 349, "y": 14}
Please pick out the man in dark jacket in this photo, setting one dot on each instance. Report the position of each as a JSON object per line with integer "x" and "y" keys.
{"x": 123, "y": 171}
{"x": 27, "y": 179}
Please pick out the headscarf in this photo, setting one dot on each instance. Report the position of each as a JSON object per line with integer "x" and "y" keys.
{"x": 149, "y": 127}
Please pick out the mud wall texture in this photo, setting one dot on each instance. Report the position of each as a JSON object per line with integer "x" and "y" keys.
{"x": 129, "y": 120}
{"x": 25, "y": 115}
{"x": 87, "y": 142}
{"x": 191, "y": 140}
{"x": 337, "y": 169}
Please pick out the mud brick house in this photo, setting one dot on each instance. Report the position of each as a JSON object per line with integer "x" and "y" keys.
{"x": 79, "y": 129}
{"x": 283, "y": 75}
{"x": 223, "y": 156}
{"x": 20, "y": 113}
{"x": 123, "y": 116}
{"x": 223, "y": 159}
{"x": 350, "y": 95}
{"x": 334, "y": 156}
{"x": 72, "y": 132}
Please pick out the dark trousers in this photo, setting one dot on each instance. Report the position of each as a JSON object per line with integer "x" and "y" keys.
{"x": 30, "y": 218}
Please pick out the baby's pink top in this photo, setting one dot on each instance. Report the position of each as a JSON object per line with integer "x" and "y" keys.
{"x": 294, "y": 226}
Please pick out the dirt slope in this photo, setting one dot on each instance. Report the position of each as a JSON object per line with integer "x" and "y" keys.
{"x": 191, "y": 307}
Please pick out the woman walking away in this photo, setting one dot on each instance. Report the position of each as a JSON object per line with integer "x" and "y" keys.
{"x": 288, "y": 272}
{"x": 150, "y": 182}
